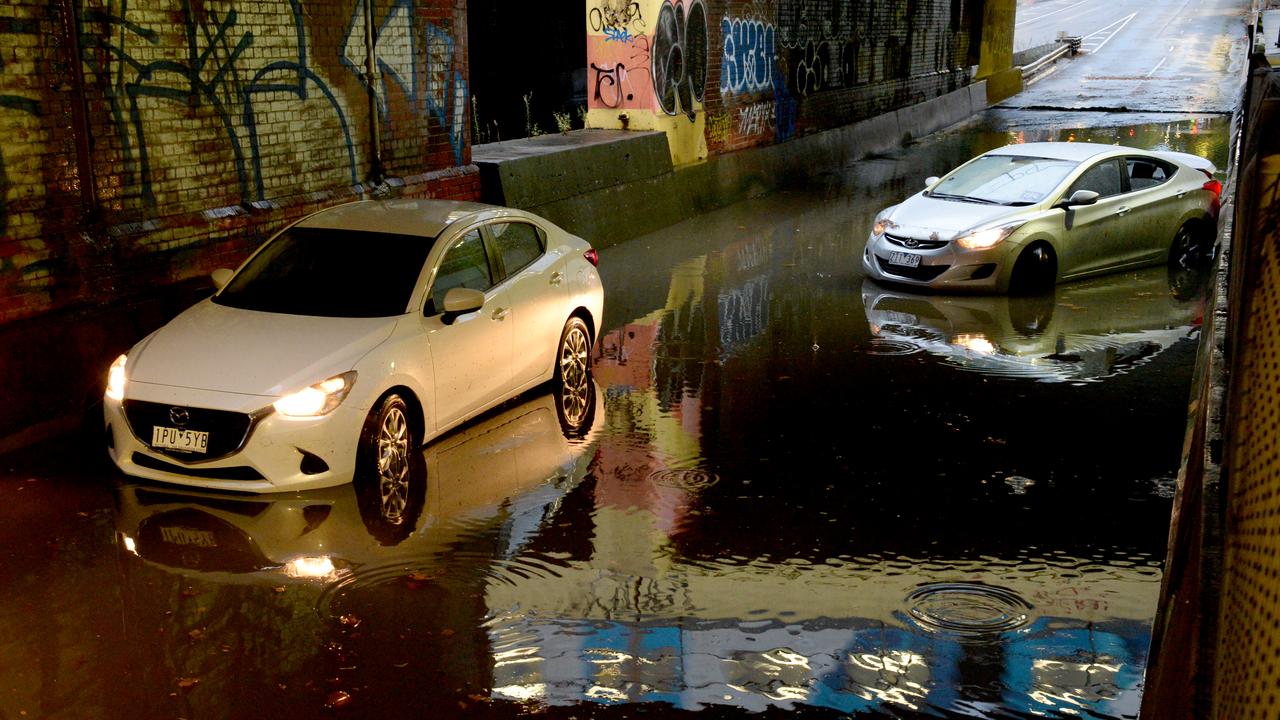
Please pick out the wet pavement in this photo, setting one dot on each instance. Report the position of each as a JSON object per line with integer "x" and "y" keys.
{"x": 788, "y": 490}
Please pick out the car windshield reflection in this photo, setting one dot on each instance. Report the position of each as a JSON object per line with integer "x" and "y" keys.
{"x": 329, "y": 273}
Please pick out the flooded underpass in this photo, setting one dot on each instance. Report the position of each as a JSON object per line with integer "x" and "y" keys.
{"x": 788, "y": 490}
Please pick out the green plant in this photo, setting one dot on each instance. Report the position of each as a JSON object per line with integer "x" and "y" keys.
{"x": 563, "y": 123}
{"x": 531, "y": 128}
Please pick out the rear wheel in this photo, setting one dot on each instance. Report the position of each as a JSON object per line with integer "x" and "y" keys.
{"x": 1188, "y": 248}
{"x": 1035, "y": 271}
{"x": 573, "y": 365}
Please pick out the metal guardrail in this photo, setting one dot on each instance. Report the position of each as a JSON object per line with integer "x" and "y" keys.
{"x": 1069, "y": 44}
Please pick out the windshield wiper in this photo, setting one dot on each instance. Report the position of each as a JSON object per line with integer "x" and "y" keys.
{"x": 963, "y": 198}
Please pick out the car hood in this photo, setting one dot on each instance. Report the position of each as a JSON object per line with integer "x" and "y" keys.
{"x": 920, "y": 216}
{"x": 224, "y": 349}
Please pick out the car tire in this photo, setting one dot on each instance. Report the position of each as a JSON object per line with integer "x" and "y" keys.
{"x": 390, "y": 472}
{"x": 573, "y": 356}
{"x": 1035, "y": 271}
{"x": 1188, "y": 247}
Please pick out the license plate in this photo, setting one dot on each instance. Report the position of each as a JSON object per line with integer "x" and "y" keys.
{"x": 188, "y": 536}
{"x": 179, "y": 439}
{"x": 904, "y": 259}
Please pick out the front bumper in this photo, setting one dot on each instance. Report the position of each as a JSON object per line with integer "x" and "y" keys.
{"x": 279, "y": 454}
{"x": 947, "y": 267}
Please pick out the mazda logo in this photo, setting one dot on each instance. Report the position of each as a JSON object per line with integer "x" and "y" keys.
{"x": 911, "y": 242}
{"x": 179, "y": 416}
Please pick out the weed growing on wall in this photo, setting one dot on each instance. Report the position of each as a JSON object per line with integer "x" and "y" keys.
{"x": 531, "y": 128}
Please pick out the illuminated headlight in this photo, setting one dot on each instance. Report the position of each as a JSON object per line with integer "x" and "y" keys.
{"x": 310, "y": 567}
{"x": 883, "y": 223}
{"x": 116, "y": 379}
{"x": 988, "y": 237}
{"x": 319, "y": 399}
{"x": 975, "y": 343}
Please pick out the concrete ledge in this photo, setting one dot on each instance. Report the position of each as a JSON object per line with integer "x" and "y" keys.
{"x": 535, "y": 171}
{"x": 1030, "y": 55}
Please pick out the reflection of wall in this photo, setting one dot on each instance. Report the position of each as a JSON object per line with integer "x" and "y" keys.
{"x": 187, "y": 131}
{"x": 721, "y": 75}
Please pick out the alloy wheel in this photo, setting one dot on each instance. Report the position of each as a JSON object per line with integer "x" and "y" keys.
{"x": 393, "y": 464}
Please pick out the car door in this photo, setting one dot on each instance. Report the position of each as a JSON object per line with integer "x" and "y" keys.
{"x": 1153, "y": 207}
{"x": 470, "y": 353}
{"x": 534, "y": 276}
{"x": 1095, "y": 235}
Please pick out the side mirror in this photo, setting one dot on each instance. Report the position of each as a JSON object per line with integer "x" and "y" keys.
{"x": 460, "y": 301}
{"x": 1080, "y": 197}
{"x": 929, "y": 181}
{"x": 221, "y": 277}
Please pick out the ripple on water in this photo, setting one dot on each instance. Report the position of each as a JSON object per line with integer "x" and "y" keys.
{"x": 969, "y": 608}
{"x": 887, "y": 346}
{"x": 684, "y": 479}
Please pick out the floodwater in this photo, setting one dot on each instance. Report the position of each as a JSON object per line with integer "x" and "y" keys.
{"x": 788, "y": 490}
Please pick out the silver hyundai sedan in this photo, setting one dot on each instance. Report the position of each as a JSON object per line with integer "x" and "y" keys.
{"x": 1024, "y": 217}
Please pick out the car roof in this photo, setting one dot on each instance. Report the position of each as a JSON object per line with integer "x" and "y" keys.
{"x": 1078, "y": 151}
{"x": 403, "y": 216}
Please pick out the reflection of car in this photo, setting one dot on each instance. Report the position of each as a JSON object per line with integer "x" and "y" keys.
{"x": 518, "y": 461}
{"x": 349, "y": 338}
{"x": 1082, "y": 331}
{"x": 1024, "y": 217}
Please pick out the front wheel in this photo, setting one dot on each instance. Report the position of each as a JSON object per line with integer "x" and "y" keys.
{"x": 573, "y": 366}
{"x": 1035, "y": 271}
{"x": 384, "y": 469}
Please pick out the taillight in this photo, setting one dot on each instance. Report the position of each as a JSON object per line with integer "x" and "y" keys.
{"x": 592, "y": 257}
{"x": 1212, "y": 185}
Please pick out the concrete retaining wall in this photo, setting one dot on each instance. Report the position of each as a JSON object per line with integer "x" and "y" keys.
{"x": 648, "y": 194}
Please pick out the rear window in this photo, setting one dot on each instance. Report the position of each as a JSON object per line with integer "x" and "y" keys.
{"x": 330, "y": 273}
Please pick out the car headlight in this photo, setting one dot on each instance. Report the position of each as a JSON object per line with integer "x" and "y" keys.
{"x": 987, "y": 237}
{"x": 883, "y": 222}
{"x": 319, "y": 399}
{"x": 116, "y": 379}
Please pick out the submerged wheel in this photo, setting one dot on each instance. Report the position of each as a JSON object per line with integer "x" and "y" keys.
{"x": 385, "y": 470}
{"x": 1188, "y": 247}
{"x": 1035, "y": 271}
{"x": 573, "y": 366}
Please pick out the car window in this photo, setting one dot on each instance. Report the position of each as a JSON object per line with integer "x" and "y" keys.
{"x": 1103, "y": 178}
{"x": 517, "y": 243}
{"x": 330, "y": 273}
{"x": 1004, "y": 179}
{"x": 1147, "y": 172}
{"x": 465, "y": 265}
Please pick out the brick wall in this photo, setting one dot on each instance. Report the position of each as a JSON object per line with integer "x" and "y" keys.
{"x": 149, "y": 142}
{"x": 724, "y": 75}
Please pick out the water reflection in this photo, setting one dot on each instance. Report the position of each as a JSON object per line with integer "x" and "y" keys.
{"x": 1082, "y": 331}
{"x": 318, "y": 598}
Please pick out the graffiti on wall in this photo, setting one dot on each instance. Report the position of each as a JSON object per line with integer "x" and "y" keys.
{"x": 680, "y": 57}
{"x": 440, "y": 91}
{"x": 241, "y": 75}
{"x": 619, "y": 20}
{"x": 215, "y": 72}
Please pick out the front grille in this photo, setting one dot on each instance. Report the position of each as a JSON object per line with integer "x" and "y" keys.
{"x": 915, "y": 243}
{"x": 923, "y": 273}
{"x": 227, "y": 430}
{"x": 239, "y": 472}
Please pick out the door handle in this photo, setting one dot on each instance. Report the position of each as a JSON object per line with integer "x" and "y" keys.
{"x": 499, "y": 314}
{"x": 1122, "y": 211}
{"x": 557, "y": 278}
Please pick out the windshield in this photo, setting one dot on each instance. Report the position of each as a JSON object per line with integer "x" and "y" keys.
{"x": 1004, "y": 180}
{"x": 330, "y": 273}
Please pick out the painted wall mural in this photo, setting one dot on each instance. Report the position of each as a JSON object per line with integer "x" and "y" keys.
{"x": 760, "y": 71}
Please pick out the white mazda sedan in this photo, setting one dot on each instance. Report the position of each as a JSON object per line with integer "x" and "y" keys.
{"x": 349, "y": 339}
{"x": 1023, "y": 217}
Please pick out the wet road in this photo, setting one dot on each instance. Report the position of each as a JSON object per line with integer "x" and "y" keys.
{"x": 791, "y": 490}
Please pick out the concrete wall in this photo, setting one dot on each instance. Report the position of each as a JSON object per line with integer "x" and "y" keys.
{"x": 151, "y": 141}
{"x": 723, "y": 75}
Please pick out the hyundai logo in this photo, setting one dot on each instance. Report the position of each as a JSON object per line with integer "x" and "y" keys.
{"x": 179, "y": 416}
{"x": 911, "y": 242}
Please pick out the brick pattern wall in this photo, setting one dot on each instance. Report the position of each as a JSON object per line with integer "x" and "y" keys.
{"x": 757, "y": 72}
{"x": 152, "y": 141}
